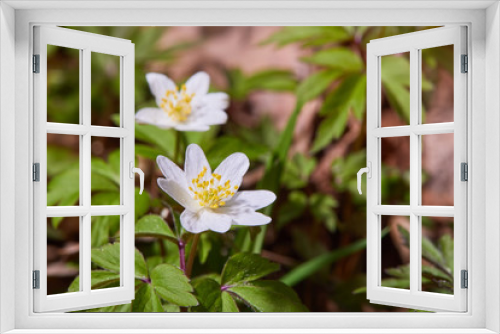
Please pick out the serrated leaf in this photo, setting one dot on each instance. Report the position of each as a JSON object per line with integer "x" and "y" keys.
{"x": 208, "y": 294}
{"x": 269, "y": 296}
{"x": 108, "y": 257}
{"x": 330, "y": 128}
{"x": 173, "y": 285}
{"x": 154, "y": 225}
{"x": 395, "y": 77}
{"x": 228, "y": 303}
{"x": 146, "y": 300}
{"x": 245, "y": 267}
{"x": 315, "y": 84}
{"x": 98, "y": 278}
{"x": 297, "y": 171}
{"x": 339, "y": 58}
{"x": 433, "y": 273}
{"x": 431, "y": 253}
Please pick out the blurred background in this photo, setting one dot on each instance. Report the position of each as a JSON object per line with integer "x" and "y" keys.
{"x": 319, "y": 220}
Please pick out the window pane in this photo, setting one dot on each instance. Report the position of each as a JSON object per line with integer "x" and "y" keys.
{"x": 437, "y": 254}
{"x": 395, "y": 99}
{"x": 63, "y": 170}
{"x": 437, "y": 169}
{"x": 105, "y": 242}
{"x": 395, "y": 171}
{"x": 395, "y": 252}
{"x": 63, "y": 85}
{"x": 105, "y": 90}
{"x": 437, "y": 84}
{"x": 105, "y": 176}
{"x": 63, "y": 254}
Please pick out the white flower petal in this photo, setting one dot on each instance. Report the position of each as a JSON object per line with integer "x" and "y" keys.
{"x": 194, "y": 126}
{"x": 154, "y": 116}
{"x": 192, "y": 223}
{"x": 194, "y": 163}
{"x": 179, "y": 193}
{"x": 250, "y": 218}
{"x": 254, "y": 199}
{"x": 217, "y": 100}
{"x": 198, "y": 84}
{"x": 159, "y": 85}
{"x": 233, "y": 168}
{"x": 212, "y": 117}
{"x": 170, "y": 170}
{"x": 216, "y": 222}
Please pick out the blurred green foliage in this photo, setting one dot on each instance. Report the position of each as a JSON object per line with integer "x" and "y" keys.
{"x": 318, "y": 229}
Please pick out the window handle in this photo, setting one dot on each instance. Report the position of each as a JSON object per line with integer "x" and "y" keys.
{"x": 141, "y": 175}
{"x": 368, "y": 171}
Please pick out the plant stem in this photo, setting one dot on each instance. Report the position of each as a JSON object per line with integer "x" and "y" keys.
{"x": 177, "y": 146}
{"x": 192, "y": 254}
{"x": 182, "y": 255}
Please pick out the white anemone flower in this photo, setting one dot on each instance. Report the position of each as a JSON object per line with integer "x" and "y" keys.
{"x": 191, "y": 108}
{"x": 212, "y": 200}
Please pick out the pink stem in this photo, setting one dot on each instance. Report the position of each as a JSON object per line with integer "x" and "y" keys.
{"x": 182, "y": 255}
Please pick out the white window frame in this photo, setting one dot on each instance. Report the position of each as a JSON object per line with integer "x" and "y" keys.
{"x": 483, "y": 21}
{"x": 414, "y": 43}
{"x": 86, "y": 44}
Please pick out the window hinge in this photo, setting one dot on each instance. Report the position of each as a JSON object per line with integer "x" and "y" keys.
{"x": 36, "y": 279}
{"x": 36, "y": 63}
{"x": 36, "y": 172}
{"x": 465, "y": 279}
{"x": 465, "y": 64}
{"x": 464, "y": 171}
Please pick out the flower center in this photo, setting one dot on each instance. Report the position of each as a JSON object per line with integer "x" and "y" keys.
{"x": 211, "y": 193}
{"x": 177, "y": 104}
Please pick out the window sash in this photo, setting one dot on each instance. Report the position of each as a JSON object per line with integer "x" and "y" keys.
{"x": 413, "y": 43}
{"x": 86, "y": 43}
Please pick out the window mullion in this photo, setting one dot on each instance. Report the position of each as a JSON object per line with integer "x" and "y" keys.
{"x": 86, "y": 171}
{"x": 414, "y": 172}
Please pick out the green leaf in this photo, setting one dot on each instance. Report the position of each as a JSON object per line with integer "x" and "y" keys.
{"x": 227, "y": 145}
{"x": 297, "y": 171}
{"x": 142, "y": 203}
{"x": 146, "y": 300}
{"x": 60, "y": 159}
{"x": 330, "y": 128}
{"x": 272, "y": 80}
{"x": 172, "y": 285}
{"x": 431, "y": 253}
{"x": 446, "y": 246}
{"x": 154, "y": 225}
{"x": 322, "y": 208}
{"x": 141, "y": 269}
{"x": 269, "y": 296}
{"x": 245, "y": 267}
{"x": 208, "y": 294}
{"x": 228, "y": 303}
{"x": 396, "y": 283}
{"x": 309, "y": 34}
{"x": 98, "y": 278}
{"x": 63, "y": 187}
{"x": 108, "y": 257}
{"x": 433, "y": 273}
{"x": 106, "y": 170}
{"x": 147, "y": 151}
{"x": 315, "y": 84}
{"x": 395, "y": 76}
{"x": 161, "y": 138}
{"x": 339, "y": 58}
{"x": 350, "y": 94}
